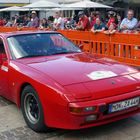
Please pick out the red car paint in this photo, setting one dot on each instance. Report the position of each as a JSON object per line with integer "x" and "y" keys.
{"x": 62, "y": 81}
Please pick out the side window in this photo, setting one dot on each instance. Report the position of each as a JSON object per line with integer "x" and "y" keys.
{"x": 2, "y": 50}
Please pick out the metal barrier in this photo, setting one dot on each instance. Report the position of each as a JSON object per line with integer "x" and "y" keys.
{"x": 119, "y": 46}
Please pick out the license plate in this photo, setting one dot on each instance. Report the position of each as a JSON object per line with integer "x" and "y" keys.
{"x": 123, "y": 105}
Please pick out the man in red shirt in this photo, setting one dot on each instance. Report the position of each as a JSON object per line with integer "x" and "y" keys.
{"x": 93, "y": 19}
{"x": 1, "y": 22}
{"x": 83, "y": 23}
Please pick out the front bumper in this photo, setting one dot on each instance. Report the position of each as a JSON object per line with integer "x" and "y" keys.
{"x": 67, "y": 120}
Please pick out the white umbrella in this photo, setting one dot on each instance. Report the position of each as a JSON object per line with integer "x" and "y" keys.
{"x": 13, "y": 8}
{"x": 67, "y": 1}
{"x": 42, "y": 4}
{"x": 64, "y": 8}
{"x": 16, "y": 8}
{"x": 86, "y": 4}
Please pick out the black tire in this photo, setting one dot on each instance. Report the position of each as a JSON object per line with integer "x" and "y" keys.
{"x": 32, "y": 109}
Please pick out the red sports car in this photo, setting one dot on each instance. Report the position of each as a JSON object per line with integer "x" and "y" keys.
{"x": 56, "y": 85}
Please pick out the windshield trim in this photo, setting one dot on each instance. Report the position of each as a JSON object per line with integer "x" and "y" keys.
{"x": 31, "y": 33}
{"x": 47, "y": 55}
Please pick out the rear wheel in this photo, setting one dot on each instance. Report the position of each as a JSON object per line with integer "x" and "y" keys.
{"x": 32, "y": 109}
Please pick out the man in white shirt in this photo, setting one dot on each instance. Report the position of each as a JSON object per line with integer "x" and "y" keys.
{"x": 58, "y": 21}
{"x": 129, "y": 23}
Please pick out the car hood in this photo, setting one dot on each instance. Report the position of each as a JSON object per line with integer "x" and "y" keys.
{"x": 77, "y": 68}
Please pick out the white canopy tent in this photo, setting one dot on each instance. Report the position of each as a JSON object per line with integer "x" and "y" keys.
{"x": 86, "y": 4}
{"x": 42, "y": 4}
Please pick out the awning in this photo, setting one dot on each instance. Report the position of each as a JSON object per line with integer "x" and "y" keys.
{"x": 12, "y": 4}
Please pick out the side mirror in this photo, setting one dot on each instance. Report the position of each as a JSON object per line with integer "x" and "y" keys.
{"x": 81, "y": 46}
{"x": 3, "y": 58}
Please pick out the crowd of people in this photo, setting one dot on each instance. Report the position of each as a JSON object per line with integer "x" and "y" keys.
{"x": 82, "y": 21}
{"x": 27, "y": 21}
{"x": 111, "y": 25}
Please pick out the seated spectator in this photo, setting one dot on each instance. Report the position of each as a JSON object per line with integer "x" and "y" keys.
{"x": 58, "y": 21}
{"x": 50, "y": 22}
{"x": 26, "y": 20}
{"x": 76, "y": 18}
{"x": 8, "y": 23}
{"x": 29, "y": 22}
{"x": 99, "y": 26}
{"x": 138, "y": 27}
{"x": 34, "y": 20}
{"x": 111, "y": 29}
{"x": 83, "y": 23}
{"x": 98, "y": 15}
{"x": 51, "y": 19}
{"x": 92, "y": 19}
{"x": 1, "y": 22}
{"x": 4, "y": 21}
{"x": 16, "y": 21}
{"x": 68, "y": 23}
{"x": 118, "y": 19}
{"x": 112, "y": 18}
{"x": 128, "y": 24}
{"x": 43, "y": 23}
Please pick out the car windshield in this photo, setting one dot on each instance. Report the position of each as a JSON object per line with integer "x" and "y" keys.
{"x": 40, "y": 44}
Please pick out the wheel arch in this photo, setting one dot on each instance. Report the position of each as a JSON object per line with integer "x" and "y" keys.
{"x": 23, "y": 85}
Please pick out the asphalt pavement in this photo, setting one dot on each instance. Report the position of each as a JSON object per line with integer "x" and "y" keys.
{"x": 13, "y": 127}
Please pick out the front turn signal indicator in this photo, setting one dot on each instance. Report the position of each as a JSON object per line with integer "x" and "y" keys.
{"x": 76, "y": 110}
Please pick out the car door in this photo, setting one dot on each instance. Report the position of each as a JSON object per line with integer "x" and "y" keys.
{"x": 3, "y": 71}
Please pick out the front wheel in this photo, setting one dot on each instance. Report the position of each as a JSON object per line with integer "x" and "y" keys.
{"x": 32, "y": 109}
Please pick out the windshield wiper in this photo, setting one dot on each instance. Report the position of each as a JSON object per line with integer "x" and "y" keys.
{"x": 63, "y": 53}
{"x": 28, "y": 56}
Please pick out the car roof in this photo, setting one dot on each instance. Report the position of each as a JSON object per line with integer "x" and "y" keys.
{"x": 8, "y": 34}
